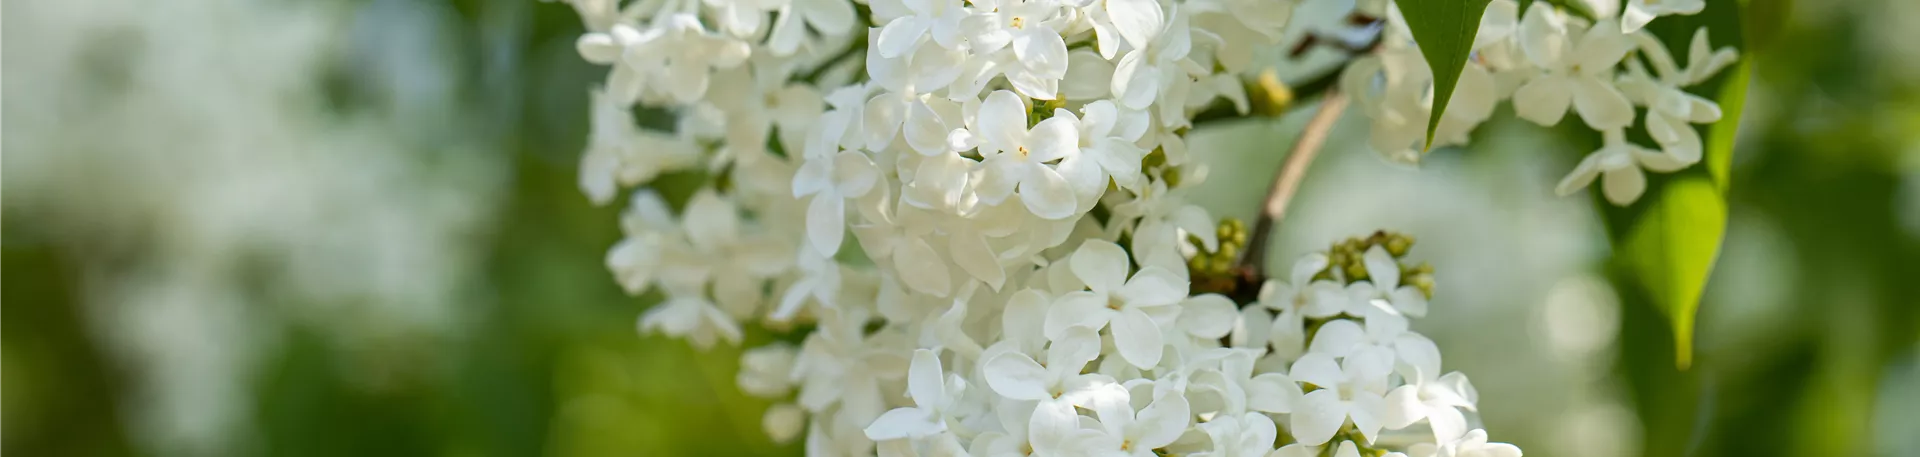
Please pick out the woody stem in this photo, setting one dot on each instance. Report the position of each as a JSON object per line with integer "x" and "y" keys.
{"x": 1287, "y": 182}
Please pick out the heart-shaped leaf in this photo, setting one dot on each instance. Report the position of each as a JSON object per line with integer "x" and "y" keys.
{"x": 1668, "y": 240}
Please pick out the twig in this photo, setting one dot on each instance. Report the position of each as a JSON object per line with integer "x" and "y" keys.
{"x": 1287, "y": 181}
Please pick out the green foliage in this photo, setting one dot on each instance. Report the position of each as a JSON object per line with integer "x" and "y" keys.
{"x": 1668, "y": 240}
{"x": 1445, "y": 31}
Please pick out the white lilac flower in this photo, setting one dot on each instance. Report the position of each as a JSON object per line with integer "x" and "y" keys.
{"x": 932, "y": 391}
{"x": 1380, "y": 332}
{"x": 1619, "y": 165}
{"x": 765, "y": 101}
{"x": 1383, "y": 287}
{"x": 1018, "y": 159}
{"x": 687, "y": 313}
{"x": 1156, "y": 217}
{"x": 1241, "y": 388}
{"x": 1249, "y": 435}
{"x": 1304, "y": 294}
{"x": 624, "y": 82}
{"x": 1428, "y": 395}
{"x": 1128, "y": 304}
{"x": 935, "y": 19}
{"x": 619, "y": 154}
{"x": 636, "y": 259}
{"x": 683, "y": 57}
{"x": 1576, "y": 64}
{"x": 1038, "y": 57}
{"x": 1670, "y": 110}
{"x": 1016, "y": 375}
{"x": 1126, "y": 431}
{"x": 1107, "y": 150}
{"x": 1350, "y": 391}
{"x": 840, "y": 366}
{"x": 819, "y": 281}
{"x": 831, "y": 180}
{"x": 898, "y": 236}
{"x": 1158, "y": 59}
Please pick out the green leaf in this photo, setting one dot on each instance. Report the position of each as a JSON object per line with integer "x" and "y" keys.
{"x": 1445, "y": 30}
{"x": 1668, "y": 240}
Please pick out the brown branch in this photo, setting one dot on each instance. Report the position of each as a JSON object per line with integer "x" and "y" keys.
{"x": 1287, "y": 181}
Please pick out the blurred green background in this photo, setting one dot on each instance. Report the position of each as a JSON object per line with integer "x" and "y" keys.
{"x": 352, "y": 228}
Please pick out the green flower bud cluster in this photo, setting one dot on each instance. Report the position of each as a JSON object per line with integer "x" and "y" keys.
{"x": 1232, "y": 234}
{"x": 1346, "y": 257}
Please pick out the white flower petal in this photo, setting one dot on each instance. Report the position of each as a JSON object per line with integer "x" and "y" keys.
{"x": 921, "y": 268}
{"x": 1208, "y": 316}
{"x": 826, "y": 222}
{"x": 926, "y": 381}
{"x": 904, "y": 423}
{"x": 1601, "y": 48}
{"x": 1336, "y": 339}
{"x": 1154, "y": 286}
{"x": 1409, "y": 300}
{"x": 1026, "y": 315}
{"x": 1582, "y": 175}
{"x": 970, "y": 251}
{"x": 854, "y": 173}
{"x": 1088, "y": 76}
{"x": 1043, "y": 52}
{"x": 1016, "y": 376}
{"x": 1447, "y": 423}
{"x": 1543, "y": 35}
{"x": 1134, "y": 81}
{"x": 1403, "y": 407}
{"x": 1543, "y": 99}
{"x": 1054, "y": 138}
{"x": 1047, "y": 194}
{"x": 1138, "y": 338}
{"x": 1418, "y": 354}
{"x": 1623, "y": 186}
{"x": 1319, "y": 414}
{"x": 1273, "y": 393}
{"x": 1365, "y": 413}
{"x": 1100, "y": 264}
{"x": 710, "y": 220}
{"x": 1600, "y": 104}
{"x": 900, "y": 35}
{"x": 1316, "y": 368}
{"x": 1382, "y": 270}
{"x": 924, "y": 130}
{"x": 1162, "y": 421}
{"x": 1138, "y": 21}
{"x": 1078, "y": 309}
{"x": 1002, "y": 121}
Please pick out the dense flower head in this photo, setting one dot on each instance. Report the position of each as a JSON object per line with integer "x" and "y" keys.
{"x": 976, "y": 209}
{"x": 1548, "y": 62}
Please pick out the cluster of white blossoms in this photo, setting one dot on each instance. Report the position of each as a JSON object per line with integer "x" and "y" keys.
{"x": 1010, "y": 172}
{"x": 1549, "y": 61}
